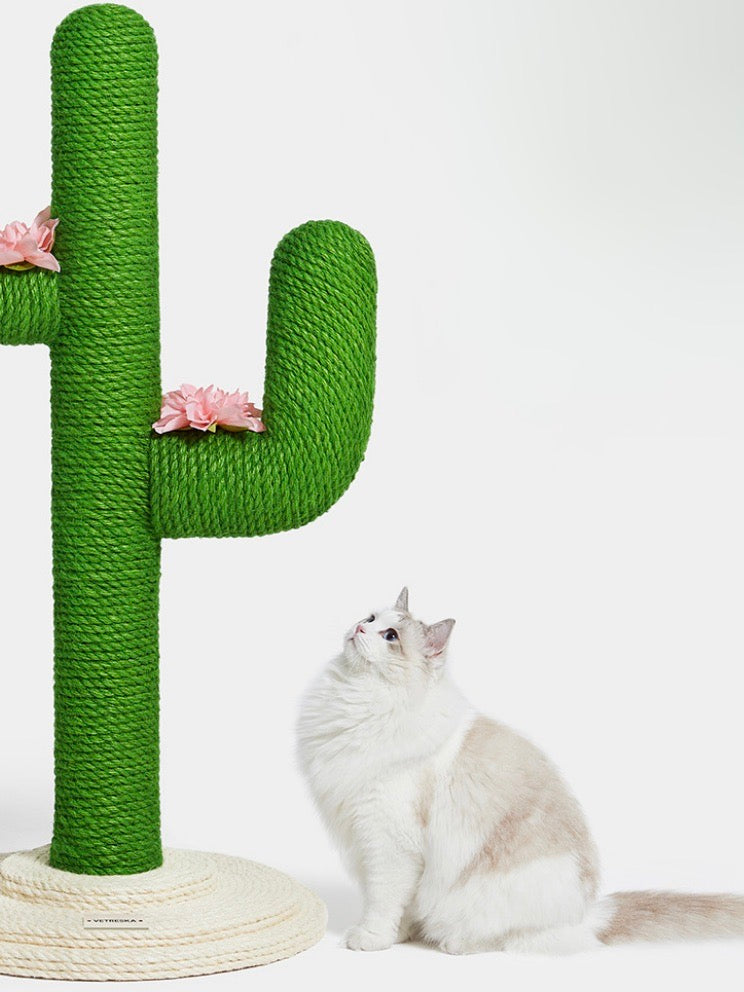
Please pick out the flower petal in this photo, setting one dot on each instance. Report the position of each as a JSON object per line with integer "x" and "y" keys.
{"x": 170, "y": 423}
{"x": 9, "y": 255}
{"x": 44, "y": 260}
{"x": 43, "y": 216}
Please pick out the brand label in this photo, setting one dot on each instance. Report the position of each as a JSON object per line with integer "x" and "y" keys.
{"x": 118, "y": 922}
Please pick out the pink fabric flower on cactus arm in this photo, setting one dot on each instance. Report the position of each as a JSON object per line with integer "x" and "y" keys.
{"x": 237, "y": 413}
{"x": 23, "y": 247}
{"x": 206, "y": 409}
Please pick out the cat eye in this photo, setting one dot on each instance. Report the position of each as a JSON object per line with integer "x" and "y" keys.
{"x": 390, "y": 634}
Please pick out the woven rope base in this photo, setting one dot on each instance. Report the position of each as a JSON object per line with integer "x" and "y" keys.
{"x": 197, "y": 915}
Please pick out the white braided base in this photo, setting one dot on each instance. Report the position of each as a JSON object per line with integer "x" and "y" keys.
{"x": 204, "y": 913}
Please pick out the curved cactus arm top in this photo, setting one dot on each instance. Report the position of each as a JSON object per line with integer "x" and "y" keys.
{"x": 320, "y": 370}
{"x": 29, "y": 307}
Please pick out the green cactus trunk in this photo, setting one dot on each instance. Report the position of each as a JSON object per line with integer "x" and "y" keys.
{"x": 105, "y": 396}
{"x": 117, "y": 488}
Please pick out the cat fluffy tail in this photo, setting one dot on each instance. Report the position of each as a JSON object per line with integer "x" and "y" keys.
{"x": 633, "y": 916}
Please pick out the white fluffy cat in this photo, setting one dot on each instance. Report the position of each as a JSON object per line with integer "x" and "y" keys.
{"x": 460, "y": 831}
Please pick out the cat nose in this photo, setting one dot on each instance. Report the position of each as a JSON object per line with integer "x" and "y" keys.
{"x": 359, "y": 629}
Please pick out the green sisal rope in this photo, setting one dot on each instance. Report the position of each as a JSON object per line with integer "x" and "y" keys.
{"x": 117, "y": 489}
{"x": 105, "y": 395}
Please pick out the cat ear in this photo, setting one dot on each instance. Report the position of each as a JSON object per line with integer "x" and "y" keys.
{"x": 436, "y": 638}
{"x": 401, "y": 602}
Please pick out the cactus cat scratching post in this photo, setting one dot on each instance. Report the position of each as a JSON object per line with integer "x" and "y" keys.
{"x": 118, "y": 490}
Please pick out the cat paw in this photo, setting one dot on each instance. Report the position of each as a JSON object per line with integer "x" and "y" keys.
{"x": 361, "y": 939}
{"x": 454, "y": 946}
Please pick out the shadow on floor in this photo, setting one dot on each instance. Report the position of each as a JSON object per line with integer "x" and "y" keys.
{"x": 343, "y": 901}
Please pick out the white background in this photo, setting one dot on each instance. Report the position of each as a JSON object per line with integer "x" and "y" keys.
{"x": 554, "y": 194}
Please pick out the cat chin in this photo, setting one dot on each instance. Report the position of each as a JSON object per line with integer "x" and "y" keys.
{"x": 351, "y": 652}
{"x": 355, "y": 660}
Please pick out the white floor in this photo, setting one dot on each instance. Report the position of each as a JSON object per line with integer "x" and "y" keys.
{"x": 712, "y": 967}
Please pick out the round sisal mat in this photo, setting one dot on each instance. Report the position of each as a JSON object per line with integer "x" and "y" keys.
{"x": 197, "y": 915}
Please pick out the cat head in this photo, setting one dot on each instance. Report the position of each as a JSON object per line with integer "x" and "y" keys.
{"x": 396, "y": 645}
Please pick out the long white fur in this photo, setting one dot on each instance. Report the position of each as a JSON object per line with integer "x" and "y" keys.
{"x": 415, "y": 787}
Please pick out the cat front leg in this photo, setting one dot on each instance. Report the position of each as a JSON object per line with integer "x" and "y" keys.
{"x": 389, "y": 883}
{"x": 408, "y": 929}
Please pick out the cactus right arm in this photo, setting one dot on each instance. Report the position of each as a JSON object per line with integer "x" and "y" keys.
{"x": 29, "y": 311}
{"x": 320, "y": 371}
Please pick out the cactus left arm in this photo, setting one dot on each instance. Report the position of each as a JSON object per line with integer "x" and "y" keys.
{"x": 29, "y": 311}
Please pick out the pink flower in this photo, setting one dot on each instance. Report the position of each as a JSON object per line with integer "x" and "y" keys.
{"x": 206, "y": 409}
{"x": 24, "y": 247}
